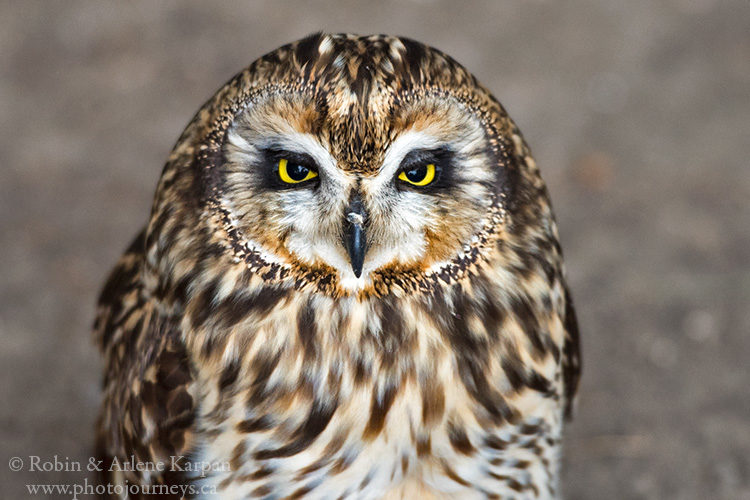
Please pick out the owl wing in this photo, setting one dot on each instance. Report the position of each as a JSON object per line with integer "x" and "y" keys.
{"x": 148, "y": 411}
{"x": 571, "y": 361}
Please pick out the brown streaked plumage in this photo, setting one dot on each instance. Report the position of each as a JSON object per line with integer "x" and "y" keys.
{"x": 353, "y": 334}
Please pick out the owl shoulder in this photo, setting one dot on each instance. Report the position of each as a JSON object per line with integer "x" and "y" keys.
{"x": 571, "y": 362}
{"x": 148, "y": 408}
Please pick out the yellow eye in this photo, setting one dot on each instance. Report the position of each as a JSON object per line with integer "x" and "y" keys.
{"x": 295, "y": 173}
{"x": 419, "y": 176}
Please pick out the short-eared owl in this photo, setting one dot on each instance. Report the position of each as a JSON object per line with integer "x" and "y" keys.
{"x": 350, "y": 286}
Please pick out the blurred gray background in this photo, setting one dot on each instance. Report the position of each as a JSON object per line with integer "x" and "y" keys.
{"x": 638, "y": 113}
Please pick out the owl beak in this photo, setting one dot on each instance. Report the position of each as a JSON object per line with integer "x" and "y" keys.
{"x": 354, "y": 234}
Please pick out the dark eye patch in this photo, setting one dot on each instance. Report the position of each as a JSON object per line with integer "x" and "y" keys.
{"x": 416, "y": 160}
{"x": 297, "y": 164}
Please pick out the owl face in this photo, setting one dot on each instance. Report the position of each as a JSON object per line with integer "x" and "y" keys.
{"x": 349, "y": 164}
{"x": 351, "y": 184}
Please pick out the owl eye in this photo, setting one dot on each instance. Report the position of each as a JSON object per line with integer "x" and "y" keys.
{"x": 420, "y": 175}
{"x": 294, "y": 173}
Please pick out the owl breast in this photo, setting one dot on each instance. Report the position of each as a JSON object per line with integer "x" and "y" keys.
{"x": 327, "y": 398}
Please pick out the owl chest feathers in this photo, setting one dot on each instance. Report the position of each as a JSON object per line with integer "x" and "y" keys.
{"x": 438, "y": 394}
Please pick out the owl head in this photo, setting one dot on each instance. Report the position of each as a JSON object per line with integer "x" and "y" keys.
{"x": 350, "y": 163}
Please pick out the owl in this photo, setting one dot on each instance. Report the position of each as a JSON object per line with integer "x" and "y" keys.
{"x": 350, "y": 286}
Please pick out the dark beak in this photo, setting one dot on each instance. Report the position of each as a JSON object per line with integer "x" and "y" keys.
{"x": 354, "y": 234}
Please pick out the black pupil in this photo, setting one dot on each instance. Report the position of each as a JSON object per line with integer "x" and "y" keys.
{"x": 297, "y": 172}
{"x": 416, "y": 174}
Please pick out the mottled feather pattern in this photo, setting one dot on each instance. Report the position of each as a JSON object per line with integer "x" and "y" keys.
{"x": 234, "y": 331}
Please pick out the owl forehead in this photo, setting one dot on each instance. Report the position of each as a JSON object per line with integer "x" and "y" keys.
{"x": 355, "y": 129}
{"x": 357, "y": 94}
{"x": 357, "y": 139}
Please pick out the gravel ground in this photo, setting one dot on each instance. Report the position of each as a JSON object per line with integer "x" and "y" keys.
{"x": 638, "y": 113}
